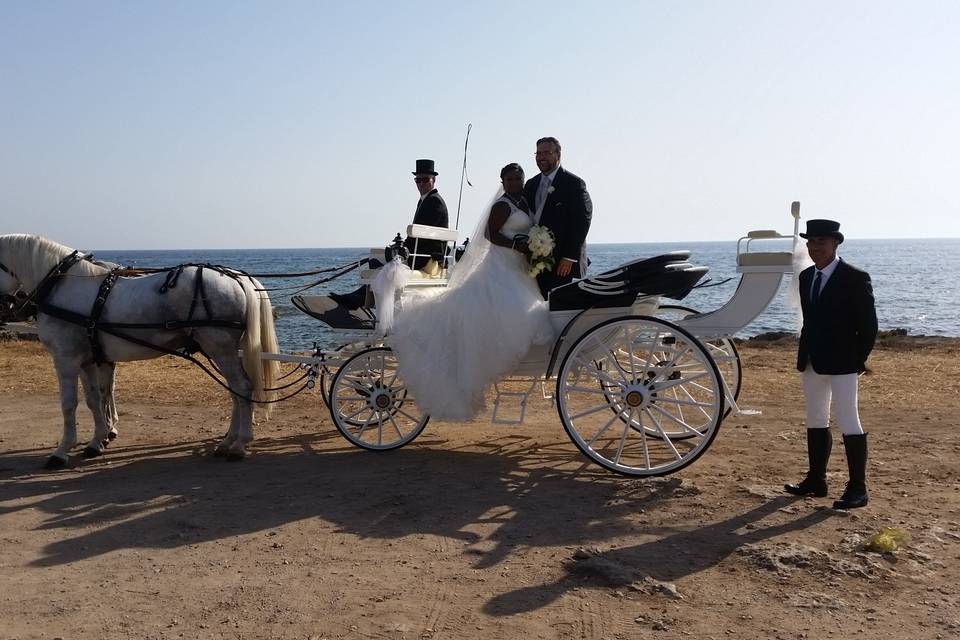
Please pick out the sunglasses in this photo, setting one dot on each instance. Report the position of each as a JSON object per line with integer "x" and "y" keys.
{"x": 422, "y": 180}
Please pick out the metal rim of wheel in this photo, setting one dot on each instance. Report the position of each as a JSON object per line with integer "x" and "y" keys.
{"x": 371, "y": 406}
{"x": 657, "y": 379}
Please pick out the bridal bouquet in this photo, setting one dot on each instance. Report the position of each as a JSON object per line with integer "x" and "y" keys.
{"x": 541, "y": 244}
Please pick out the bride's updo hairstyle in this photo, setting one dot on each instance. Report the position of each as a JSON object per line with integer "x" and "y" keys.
{"x": 513, "y": 167}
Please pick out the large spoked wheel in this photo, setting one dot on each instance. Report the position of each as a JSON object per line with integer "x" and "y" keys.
{"x": 661, "y": 386}
{"x": 370, "y": 404}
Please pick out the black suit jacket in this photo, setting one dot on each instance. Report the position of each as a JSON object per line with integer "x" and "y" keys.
{"x": 840, "y": 328}
{"x": 431, "y": 211}
{"x": 567, "y": 212}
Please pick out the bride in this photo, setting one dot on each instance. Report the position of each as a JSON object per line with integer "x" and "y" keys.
{"x": 451, "y": 347}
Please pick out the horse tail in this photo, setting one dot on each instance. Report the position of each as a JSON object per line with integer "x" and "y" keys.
{"x": 259, "y": 336}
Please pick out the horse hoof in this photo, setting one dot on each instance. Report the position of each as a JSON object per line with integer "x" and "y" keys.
{"x": 91, "y": 452}
{"x": 220, "y": 452}
{"x": 53, "y": 462}
{"x": 235, "y": 457}
{"x": 111, "y": 436}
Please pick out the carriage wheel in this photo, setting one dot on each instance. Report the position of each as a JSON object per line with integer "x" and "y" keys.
{"x": 722, "y": 350}
{"x": 658, "y": 381}
{"x": 370, "y": 404}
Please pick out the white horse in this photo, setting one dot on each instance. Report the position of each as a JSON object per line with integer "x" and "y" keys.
{"x": 242, "y": 328}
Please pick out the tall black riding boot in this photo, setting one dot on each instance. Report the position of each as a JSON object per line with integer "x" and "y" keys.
{"x": 856, "y": 493}
{"x": 819, "y": 444}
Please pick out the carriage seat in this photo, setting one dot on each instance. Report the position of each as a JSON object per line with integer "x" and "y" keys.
{"x": 367, "y": 275}
{"x": 765, "y": 259}
{"x": 667, "y": 275}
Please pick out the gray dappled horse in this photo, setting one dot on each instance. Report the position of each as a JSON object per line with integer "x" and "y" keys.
{"x": 239, "y": 331}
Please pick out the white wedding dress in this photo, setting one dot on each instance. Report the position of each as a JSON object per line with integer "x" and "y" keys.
{"x": 451, "y": 347}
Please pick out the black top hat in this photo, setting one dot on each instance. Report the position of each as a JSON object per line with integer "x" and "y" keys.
{"x": 425, "y": 166}
{"x": 820, "y": 228}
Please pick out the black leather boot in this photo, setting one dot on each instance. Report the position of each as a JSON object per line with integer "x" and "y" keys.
{"x": 819, "y": 444}
{"x": 856, "y": 494}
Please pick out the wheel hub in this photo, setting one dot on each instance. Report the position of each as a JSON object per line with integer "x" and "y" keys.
{"x": 636, "y": 396}
{"x": 380, "y": 398}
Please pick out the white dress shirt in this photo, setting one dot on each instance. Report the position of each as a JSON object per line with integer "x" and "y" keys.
{"x": 826, "y": 272}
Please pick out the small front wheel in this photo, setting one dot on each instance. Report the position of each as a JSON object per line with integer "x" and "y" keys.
{"x": 370, "y": 404}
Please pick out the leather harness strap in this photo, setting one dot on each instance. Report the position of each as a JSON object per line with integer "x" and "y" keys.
{"x": 94, "y": 326}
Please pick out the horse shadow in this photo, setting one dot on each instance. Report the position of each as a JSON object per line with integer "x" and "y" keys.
{"x": 676, "y": 555}
{"x": 506, "y": 492}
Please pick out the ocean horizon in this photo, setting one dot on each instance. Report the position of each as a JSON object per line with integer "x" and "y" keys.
{"x": 915, "y": 279}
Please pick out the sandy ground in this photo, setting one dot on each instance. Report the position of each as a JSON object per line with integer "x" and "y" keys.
{"x": 474, "y": 530}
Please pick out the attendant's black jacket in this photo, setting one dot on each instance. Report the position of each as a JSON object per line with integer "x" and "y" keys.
{"x": 839, "y": 330}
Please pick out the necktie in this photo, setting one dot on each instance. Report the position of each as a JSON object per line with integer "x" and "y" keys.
{"x": 815, "y": 296}
{"x": 542, "y": 192}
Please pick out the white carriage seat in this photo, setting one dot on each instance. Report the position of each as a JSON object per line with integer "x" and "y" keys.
{"x": 416, "y": 276}
{"x": 763, "y": 261}
{"x": 432, "y": 272}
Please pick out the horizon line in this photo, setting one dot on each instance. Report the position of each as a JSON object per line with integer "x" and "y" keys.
{"x": 593, "y": 244}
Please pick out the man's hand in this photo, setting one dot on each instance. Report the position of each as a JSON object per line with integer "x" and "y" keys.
{"x": 564, "y": 267}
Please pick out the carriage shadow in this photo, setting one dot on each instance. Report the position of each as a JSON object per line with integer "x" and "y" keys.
{"x": 173, "y": 496}
{"x": 676, "y": 555}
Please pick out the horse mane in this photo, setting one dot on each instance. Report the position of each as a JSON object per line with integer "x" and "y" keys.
{"x": 33, "y": 256}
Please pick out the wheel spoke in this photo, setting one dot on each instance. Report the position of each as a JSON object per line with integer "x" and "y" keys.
{"x": 593, "y": 410}
{"x": 396, "y": 427}
{"x": 603, "y": 429}
{"x": 689, "y": 403}
{"x": 579, "y": 389}
{"x": 666, "y": 414}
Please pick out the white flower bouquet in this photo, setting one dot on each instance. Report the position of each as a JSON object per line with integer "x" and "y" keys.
{"x": 541, "y": 243}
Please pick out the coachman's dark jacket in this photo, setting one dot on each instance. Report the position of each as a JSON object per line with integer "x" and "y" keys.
{"x": 431, "y": 211}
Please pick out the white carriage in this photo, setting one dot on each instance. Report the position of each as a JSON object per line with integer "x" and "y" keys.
{"x": 640, "y": 387}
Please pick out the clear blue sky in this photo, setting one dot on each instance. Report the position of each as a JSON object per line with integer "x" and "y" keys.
{"x": 296, "y": 124}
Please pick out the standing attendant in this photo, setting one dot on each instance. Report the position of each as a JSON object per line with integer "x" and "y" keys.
{"x": 431, "y": 210}
{"x": 561, "y": 203}
{"x": 839, "y": 330}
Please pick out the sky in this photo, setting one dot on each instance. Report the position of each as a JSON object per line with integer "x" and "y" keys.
{"x": 176, "y": 125}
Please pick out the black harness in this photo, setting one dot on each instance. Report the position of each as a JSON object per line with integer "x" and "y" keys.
{"x": 93, "y": 324}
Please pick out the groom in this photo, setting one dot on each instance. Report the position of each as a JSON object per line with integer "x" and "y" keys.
{"x": 561, "y": 203}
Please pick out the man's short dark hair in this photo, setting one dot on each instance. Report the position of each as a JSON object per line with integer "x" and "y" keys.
{"x": 551, "y": 140}
{"x": 513, "y": 167}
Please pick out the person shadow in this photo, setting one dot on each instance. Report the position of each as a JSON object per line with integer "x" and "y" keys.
{"x": 670, "y": 558}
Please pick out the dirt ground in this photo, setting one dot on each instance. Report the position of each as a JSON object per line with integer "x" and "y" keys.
{"x": 475, "y": 530}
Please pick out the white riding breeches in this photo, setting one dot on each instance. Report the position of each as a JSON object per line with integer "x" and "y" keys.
{"x": 820, "y": 391}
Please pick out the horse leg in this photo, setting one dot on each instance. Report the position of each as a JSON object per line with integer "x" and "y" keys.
{"x": 106, "y": 381}
{"x": 234, "y": 444}
{"x": 67, "y": 378}
{"x": 90, "y": 375}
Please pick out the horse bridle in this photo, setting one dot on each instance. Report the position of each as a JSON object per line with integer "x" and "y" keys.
{"x": 20, "y": 298}
{"x": 19, "y": 294}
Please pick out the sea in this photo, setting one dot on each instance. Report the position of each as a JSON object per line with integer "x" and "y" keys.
{"x": 915, "y": 281}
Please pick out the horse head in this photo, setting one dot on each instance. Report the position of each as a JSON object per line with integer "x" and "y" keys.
{"x": 24, "y": 261}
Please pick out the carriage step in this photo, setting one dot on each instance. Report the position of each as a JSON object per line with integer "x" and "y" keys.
{"x": 516, "y": 407}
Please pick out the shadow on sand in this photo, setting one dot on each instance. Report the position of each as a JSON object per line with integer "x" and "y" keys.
{"x": 533, "y": 495}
